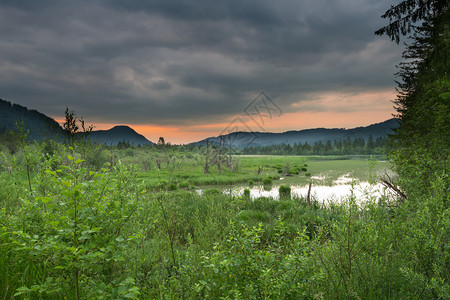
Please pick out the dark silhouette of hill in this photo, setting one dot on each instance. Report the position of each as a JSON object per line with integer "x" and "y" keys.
{"x": 310, "y": 136}
{"x": 42, "y": 127}
{"x": 39, "y": 125}
{"x": 118, "y": 134}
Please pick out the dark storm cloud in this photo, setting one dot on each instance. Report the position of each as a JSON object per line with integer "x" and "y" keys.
{"x": 179, "y": 62}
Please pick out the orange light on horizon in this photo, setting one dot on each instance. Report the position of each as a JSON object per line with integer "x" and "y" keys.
{"x": 329, "y": 110}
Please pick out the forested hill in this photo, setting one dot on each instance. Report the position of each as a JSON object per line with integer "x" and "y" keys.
{"x": 119, "y": 134}
{"x": 39, "y": 125}
{"x": 42, "y": 127}
{"x": 310, "y": 136}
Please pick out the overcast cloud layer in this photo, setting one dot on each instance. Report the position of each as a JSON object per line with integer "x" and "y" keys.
{"x": 189, "y": 61}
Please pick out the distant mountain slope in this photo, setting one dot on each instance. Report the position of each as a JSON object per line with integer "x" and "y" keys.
{"x": 118, "y": 134}
{"x": 310, "y": 136}
{"x": 42, "y": 127}
{"x": 39, "y": 125}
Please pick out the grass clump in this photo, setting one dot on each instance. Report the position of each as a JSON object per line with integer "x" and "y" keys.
{"x": 267, "y": 181}
{"x": 284, "y": 191}
{"x": 183, "y": 185}
{"x": 212, "y": 192}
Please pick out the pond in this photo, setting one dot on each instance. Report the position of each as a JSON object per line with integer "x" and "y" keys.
{"x": 342, "y": 189}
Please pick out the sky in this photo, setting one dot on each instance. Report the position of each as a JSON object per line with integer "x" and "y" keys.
{"x": 190, "y": 69}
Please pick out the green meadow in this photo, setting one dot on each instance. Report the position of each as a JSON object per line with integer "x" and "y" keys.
{"x": 295, "y": 170}
{"x": 88, "y": 222}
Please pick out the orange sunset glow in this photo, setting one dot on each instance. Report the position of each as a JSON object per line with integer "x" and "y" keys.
{"x": 327, "y": 110}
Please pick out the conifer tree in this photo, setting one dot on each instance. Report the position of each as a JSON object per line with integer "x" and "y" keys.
{"x": 422, "y": 142}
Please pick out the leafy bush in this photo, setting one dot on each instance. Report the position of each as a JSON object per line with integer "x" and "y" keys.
{"x": 284, "y": 191}
{"x": 162, "y": 185}
{"x": 172, "y": 187}
{"x": 267, "y": 181}
{"x": 72, "y": 239}
{"x": 241, "y": 267}
{"x": 183, "y": 185}
{"x": 211, "y": 192}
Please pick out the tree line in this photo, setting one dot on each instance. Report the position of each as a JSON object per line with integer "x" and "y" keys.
{"x": 347, "y": 146}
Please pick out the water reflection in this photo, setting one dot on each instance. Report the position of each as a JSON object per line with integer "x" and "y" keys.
{"x": 321, "y": 193}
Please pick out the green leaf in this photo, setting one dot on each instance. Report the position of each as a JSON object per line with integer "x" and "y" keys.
{"x": 79, "y": 161}
{"x": 21, "y": 291}
{"x": 66, "y": 183}
{"x": 72, "y": 249}
{"x": 44, "y": 199}
{"x": 130, "y": 296}
{"x": 50, "y": 172}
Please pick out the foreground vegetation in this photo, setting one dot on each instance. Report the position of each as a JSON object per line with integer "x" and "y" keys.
{"x": 71, "y": 229}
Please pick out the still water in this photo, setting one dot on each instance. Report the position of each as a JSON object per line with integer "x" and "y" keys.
{"x": 342, "y": 188}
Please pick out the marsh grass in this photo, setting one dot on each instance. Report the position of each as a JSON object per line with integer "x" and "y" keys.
{"x": 116, "y": 232}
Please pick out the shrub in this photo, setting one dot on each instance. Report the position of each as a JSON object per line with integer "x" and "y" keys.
{"x": 172, "y": 187}
{"x": 280, "y": 171}
{"x": 267, "y": 181}
{"x": 251, "y": 182}
{"x": 183, "y": 185}
{"x": 211, "y": 192}
{"x": 161, "y": 185}
{"x": 247, "y": 193}
{"x": 307, "y": 174}
{"x": 75, "y": 227}
{"x": 285, "y": 191}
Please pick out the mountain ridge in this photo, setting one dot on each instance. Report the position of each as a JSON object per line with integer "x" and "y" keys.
{"x": 117, "y": 134}
{"x": 244, "y": 139}
{"x": 41, "y": 127}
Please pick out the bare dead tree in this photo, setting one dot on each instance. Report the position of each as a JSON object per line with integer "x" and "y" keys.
{"x": 218, "y": 155}
{"x": 389, "y": 183}
{"x": 308, "y": 197}
{"x": 259, "y": 170}
{"x": 163, "y": 145}
{"x": 287, "y": 170}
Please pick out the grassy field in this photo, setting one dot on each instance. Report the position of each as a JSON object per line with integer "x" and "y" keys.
{"x": 81, "y": 228}
{"x": 190, "y": 173}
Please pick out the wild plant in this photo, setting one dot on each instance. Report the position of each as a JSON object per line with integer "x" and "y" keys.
{"x": 71, "y": 240}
